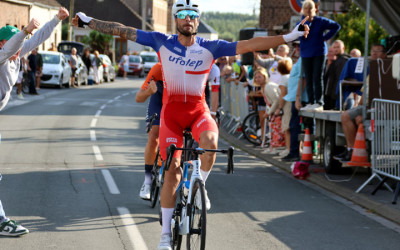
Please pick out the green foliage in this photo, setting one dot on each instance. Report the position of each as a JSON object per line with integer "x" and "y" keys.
{"x": 352, "y": 32}
{"x": 64, "y": 32}
{"x": 97, "y": 41}
{"x": 228, "y": 25}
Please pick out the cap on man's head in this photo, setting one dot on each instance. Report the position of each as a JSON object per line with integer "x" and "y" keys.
{"x": 7, "y": 32}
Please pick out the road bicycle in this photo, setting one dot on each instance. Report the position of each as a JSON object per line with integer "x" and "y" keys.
{"x": 188, "y": 219}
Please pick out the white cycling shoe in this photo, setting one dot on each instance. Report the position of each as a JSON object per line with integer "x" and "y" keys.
{"x": 165, "y": 242}
{"x": 197, "y": 200}
{"x": 145, "y": 192}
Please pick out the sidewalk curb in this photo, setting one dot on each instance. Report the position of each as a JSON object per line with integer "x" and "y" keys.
{"x": 384, "y": 210}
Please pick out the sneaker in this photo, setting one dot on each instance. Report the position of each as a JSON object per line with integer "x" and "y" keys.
{"x": 305, "y": 108}
{"x": 165, "y": 242}
{"x": 197, "y": 200}
{"x": 20, "y": 96}
{"x": 340, "y": 156}
{"x": 145, "y": 192}
{"x": 11, "y": 228}
{"x": 284, "y": 153}
{"x": 347, "y": 157}
{"x": 291, "y": 158}
{"x": 316, "y": 107}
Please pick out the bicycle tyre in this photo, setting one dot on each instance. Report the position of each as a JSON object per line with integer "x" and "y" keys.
{"x": 25, "y": 85}
{"x": 154, "y": 190}
{"x": 196, "y": 239}
{"x": 250, "y": 127}
{"x": 176, "y": 237}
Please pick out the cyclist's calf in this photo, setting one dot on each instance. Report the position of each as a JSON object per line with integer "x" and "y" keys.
{"x": 171, "y": 182}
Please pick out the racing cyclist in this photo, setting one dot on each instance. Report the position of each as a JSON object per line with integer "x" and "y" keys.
{"x": 186, "y": 61}
{"x": 153, "y": 88}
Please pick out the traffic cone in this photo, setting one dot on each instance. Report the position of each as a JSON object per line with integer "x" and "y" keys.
{"x": 307, "y": 151}
{"x": 359, "y": 157}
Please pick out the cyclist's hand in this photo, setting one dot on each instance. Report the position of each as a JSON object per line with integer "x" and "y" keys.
{"x": 152, "y": 87}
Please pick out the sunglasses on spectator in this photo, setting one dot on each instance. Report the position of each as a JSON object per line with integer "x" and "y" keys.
{"x": 184, "y": 13}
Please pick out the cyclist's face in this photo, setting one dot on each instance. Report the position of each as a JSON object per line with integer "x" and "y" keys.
{"x": 187, "y": 26}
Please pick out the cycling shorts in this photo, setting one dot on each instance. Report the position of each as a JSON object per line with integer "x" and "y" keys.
{"x": 155, "y": 105}
{"x": 181, "y": 116}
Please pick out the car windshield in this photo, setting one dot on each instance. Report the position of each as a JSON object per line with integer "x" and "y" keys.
{"x": 134, "y": 59}
{"x": 152, "y": 59}
{"x": 51, "y": 59}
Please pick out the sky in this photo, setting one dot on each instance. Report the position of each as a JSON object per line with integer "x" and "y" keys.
{"x": 237, "y": 6}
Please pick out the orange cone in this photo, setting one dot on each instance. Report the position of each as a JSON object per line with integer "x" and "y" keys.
{"x": 359, "y": 157}
{"x": 307, "y": 151}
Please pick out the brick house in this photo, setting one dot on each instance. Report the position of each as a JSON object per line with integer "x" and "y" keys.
{"x": 275, "y": 16}
{"x": 19, "y": 14}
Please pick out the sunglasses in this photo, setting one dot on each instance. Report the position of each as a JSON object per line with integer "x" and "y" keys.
{"x": 184, "y": 13}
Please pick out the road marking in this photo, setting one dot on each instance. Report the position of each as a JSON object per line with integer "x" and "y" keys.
{"x": 97, "y": 153}
{"x": 93, "y": 123}
{"x": 117, "y": 97}
{"x": 102, "y": 107}
{"x": 132, "y": 230}
{"x": 112, "y": 187}
{"x": 110, "y": 101}
{"x": 98, "y": 113}
{"x": 92, "y": 135}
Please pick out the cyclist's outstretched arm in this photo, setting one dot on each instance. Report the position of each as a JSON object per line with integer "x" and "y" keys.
{"x": 267, "y": 42}
{"x": 106, "y": 27}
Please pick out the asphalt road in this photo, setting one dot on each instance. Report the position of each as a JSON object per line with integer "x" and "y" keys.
{"x": 72, "y": 165}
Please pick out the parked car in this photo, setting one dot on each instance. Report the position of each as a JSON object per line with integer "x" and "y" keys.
{"x": 135, "y": 66}
{"x": 56, "y": 70}
{"x": 149, "y": 59}
{"x": 65, "y": 47}
{"x": 109, "y": 70}
{"x": 81, "y": 74}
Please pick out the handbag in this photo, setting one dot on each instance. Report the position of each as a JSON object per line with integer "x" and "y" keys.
{"x": 300, "y": 169}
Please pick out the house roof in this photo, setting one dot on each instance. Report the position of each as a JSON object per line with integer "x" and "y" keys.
{"x": 205, "y": 28}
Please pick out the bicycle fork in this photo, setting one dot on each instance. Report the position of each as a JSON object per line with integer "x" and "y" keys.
{"x": 184, "y": 224}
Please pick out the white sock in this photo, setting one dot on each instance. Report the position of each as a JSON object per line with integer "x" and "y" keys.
{"x": 204, "y": 175}
{"x": 166, "y": 220}
{"x": 147, "y": 178}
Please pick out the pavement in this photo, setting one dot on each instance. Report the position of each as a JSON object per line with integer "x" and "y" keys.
{"x": 344, "y": 184}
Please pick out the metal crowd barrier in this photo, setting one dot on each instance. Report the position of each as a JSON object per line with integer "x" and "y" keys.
{"x": 385, "y": 127}
{"x": 234, "y": 104}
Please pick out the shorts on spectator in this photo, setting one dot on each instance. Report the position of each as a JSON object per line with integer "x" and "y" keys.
{"x": 287, "y": 114}
{"x": 73, "y": 71}
{"x": 354, "y": 112}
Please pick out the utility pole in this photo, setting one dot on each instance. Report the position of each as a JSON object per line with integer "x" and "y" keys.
{"x": 71, "y": 14}
{"x": 143, "y": 17}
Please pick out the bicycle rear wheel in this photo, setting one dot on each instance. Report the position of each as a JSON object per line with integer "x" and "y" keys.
{"x": 196, "y": 239}
{"x": 176, "y": 237}
{"x": 155, "y": 188}
{"x": 251, "y": 128}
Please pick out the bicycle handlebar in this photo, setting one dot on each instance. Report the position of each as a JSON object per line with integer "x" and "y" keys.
{"x": 198, "y": 151}
{"x": 151, "y": 120}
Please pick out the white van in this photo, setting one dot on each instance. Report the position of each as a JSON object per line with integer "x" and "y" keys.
{"x": 149, "y": 59}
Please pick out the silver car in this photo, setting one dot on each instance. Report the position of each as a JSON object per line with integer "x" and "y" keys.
{"x": 109, "y": 70}
{"x": 56, "y": 70}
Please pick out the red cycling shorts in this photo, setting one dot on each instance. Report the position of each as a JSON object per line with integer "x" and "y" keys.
{"x": 178, "y": 116}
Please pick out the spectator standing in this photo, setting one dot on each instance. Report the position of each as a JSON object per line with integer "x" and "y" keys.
{"x": 96, "y": 65}
{"x": 125, "y": 64}
{"x": 330, "y": 58}
{"x": 313, "y": 50}
{"x": 86, "y": 59}
{"x": 257, "y": 95}
{"x": 73, "y": 62}
{"x": 53, "y": 47}
{"x": 39, "y": 68}
{"x": 284, "y": 67}
{"x": 32, "y": 66}
{"x": 22, "y": 73}
{"x": 271, "y": 63}
{"x": 355, "y": 53}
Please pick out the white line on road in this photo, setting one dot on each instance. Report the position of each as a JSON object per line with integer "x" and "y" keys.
{"x": 102, "y": 107}
{"x": 117, "y": 97}
{"x": 97, "y": 153}
{"x": 132, "y": 230}
{"x": 93, "y": 123}
{"x": 92, "y": 135}
{"x": 98, "y": 113}
{"x": 112, "y": 187}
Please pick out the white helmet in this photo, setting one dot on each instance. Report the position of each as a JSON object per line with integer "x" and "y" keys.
{"x": 185, "y": 5}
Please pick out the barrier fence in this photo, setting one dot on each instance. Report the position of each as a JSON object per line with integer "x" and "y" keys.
{"x": 385, "y": 127}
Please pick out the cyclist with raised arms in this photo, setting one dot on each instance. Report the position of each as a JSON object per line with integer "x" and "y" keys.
{"x": 153, "y": 88}
{"x": 186, "y": 61}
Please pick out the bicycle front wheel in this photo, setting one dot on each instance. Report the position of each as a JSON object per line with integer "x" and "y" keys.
{"x": 196, "y": 239}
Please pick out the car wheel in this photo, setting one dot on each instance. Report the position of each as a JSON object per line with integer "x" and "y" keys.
{"x": 68, "y": 84}
{"x": 60, "y": 84}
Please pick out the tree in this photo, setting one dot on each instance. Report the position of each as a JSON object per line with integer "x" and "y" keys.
{"x": 64, "y": 31}
{"x": 98, "y": 41}
{"x": 352, "y": 32}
